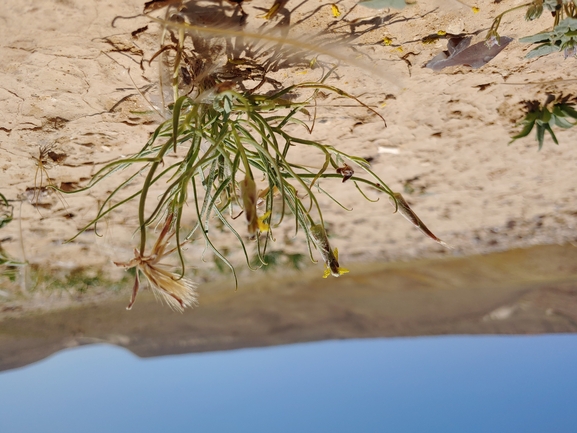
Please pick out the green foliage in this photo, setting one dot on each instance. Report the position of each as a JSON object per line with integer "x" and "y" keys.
{"x": 75, "y": 281}
{"x": 6, "y": 211}
{"x": 562, "y": 37}
{"x": 8, "y": 266}
{"x": 554, "y": 112}
{"x": 226, "y": 145}
{"x": 226, "y": 140}
{"x": 382, "y": 4}
{"x": 278, "y": 258}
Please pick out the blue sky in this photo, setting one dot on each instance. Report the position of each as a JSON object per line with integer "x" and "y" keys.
{"x": 445, "y": 384}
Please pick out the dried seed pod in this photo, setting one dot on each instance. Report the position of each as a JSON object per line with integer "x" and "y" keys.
{"x": 346, "y": 171}
{"x": 330, "y": 257}
{"x": 405, "y": 210}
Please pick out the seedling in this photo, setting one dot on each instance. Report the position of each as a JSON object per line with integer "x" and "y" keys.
{"x": 43, "y": 185}
{"x": 554, "y": 112}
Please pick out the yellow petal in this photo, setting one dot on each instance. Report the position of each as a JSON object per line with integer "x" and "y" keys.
{"x": 336, "y": 11}
{"x": 343, "y": 271}
{"x": 273, "y": 10}
{"x": 262, "y": 226}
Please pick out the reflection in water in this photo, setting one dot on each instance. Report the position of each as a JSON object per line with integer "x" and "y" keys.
{"x": 445, "y": 384}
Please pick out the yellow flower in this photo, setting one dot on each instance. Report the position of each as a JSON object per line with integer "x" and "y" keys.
{"x": 335, "y": 10}
{"x": 330, "y": 257}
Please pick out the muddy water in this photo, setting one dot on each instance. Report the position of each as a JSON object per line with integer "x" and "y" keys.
{"x": 526, "y": 291}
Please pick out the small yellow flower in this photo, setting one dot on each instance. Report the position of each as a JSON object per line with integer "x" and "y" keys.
{"x": 387, "y": 41}
{"x": 262, "y": 226}
{"x": 329, "y": 271}
{"x": 330, "y": 257}
{"x": 476, "y": 10}
{"x": 335, "y": 10}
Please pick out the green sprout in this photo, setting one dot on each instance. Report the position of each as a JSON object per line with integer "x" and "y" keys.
{"x": 554, "y": 112}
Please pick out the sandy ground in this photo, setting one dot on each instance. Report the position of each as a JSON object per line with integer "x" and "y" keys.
{"x": 62, "y": 84}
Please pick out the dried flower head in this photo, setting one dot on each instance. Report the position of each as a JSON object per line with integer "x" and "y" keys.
{"x": 176, "y": 291}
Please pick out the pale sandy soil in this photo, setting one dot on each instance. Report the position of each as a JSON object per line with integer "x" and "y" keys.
{"x": 445, "y": 146}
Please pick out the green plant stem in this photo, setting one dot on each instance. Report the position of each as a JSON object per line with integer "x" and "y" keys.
{"x": 144, "y": 193}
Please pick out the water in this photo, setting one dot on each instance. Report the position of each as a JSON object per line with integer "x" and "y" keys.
{"x": 434, "y": 384}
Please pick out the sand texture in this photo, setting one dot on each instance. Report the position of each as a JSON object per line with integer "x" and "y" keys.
{"x": 68, "y": 81}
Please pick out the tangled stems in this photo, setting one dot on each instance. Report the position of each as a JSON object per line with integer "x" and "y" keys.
{"x": 228, "y": 139}
{"x": 227, "y": 143}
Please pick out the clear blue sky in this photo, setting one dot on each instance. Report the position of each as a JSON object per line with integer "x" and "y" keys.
{"x": 435, "y": 384}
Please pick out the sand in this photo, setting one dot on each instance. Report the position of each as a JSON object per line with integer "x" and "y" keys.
{"x": 445, "y": 146}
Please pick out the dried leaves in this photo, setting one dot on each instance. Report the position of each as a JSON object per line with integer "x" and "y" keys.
{"x": 178, "y": 292}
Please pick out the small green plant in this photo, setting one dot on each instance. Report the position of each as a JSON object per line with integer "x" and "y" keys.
{"x": 77, "y": 281}
{"x": 279, "y": 258}
{"x": 231, "y": 147}
{"x": 554, "y": 112}
{"x": 8, "y": 266}
{"x": 561, "y": 38}
{"x": 6, "y": 211}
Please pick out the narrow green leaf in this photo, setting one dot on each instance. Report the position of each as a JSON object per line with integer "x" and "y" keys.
{"x": 540, "y": 135}
{"x": 568, "y": 110}
{"x": 562, "y": 122}
{"x": 548, "y": 128}
{"x": 524, "y": 132}
{"x": 542, "y": 50}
